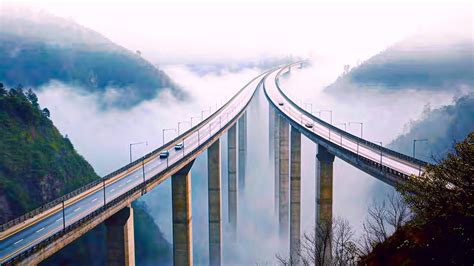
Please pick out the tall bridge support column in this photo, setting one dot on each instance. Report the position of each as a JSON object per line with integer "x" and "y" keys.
{"x": 232, "y": 180}
{"x": 182, "y": 216}
{"x": 271, "y": 131}
{"x": 214, "y": 198}
{"x": 242, "y": 151}
{"x": 324, "y": 183}
{"x": 295, "y": 193}
{"x": 120, "y": 238}
{"x": 276, "y": 153}
{"x": 283, "y": 177}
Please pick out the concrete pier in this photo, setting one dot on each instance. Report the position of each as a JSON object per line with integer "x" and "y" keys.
{"x": 120, "y": 238}
{"x": 276, "y": 153}
{"x": 295, "y": 193}
{"x": 232, "y": 180}
{"x": 271, "y": 131}
{"x": 242, "y": 151}
{"x": 182, "y": 216}
{"x": 283, "y": 177}
{"x": 214, "y": 198}
{"x": 324, "y": 180}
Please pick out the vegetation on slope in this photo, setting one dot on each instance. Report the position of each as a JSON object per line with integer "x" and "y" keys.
{"x": 414, "y": 64}
{"x": 34, "y": 52}
{"x": 37, "y": 164}
{"x": 441, "y": 231}
{"x": 441, "y": 127}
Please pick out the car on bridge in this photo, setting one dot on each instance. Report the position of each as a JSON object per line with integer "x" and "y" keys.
{"x": 308, "y": 125}
{"x": 280, "y": 103}
{"x": 164, "y": 154}
{"x": 178, "y": 146}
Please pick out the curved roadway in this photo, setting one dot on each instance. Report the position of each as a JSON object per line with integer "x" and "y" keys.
{"x": 21, "y": 237}
{"x": 332, "y": 135}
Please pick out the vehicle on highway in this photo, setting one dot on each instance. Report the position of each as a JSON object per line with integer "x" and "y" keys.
{"x": 280, "y": 103}
{"x": 178, "y": 146}
{"x": 164, "y": 154}
{"x": 309, "y": 125}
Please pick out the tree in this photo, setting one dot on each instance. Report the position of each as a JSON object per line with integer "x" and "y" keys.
{"x": 31, "y": 96}
{"x": 384, "y": 218}
{"x": 331, "y": 243}
{"x": 46, "y": 112}
{"x": 445, "y": 189}
{"x": 3, "y": 90}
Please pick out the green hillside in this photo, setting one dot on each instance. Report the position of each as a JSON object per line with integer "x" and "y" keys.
{"x": 35, "y": 52}
{"x": 37, "y": 163}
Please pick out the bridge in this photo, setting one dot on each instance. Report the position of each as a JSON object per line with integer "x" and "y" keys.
{"x": 35, "y": 236}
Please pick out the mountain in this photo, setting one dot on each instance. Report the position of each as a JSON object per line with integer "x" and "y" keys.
{"x": 37, "y": 163}
{"x": 426, "y": 62}
{"x": 441, "y": 127}
{"x": 36, "y": 48}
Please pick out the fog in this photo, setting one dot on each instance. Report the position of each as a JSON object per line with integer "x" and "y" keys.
{"x": 102, "y": 137}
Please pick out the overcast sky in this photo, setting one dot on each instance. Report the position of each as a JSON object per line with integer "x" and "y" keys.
{"x": 183, "y": 31}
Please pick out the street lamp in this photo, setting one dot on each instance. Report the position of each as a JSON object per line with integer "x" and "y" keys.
{"x": 414, "y": 145}
{"x": 330, "y": 114}
{"x": 381, "y": 152}
{"x": 136, "y": 143}
{"x": 196, "y": 117}
{"x": 167, "y": 129}
{"x": 345, "y": 129}
{"x": 183, "y": 122}
{"x": 361, "y": 128}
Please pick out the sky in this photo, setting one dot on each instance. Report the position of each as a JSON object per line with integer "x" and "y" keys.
{"x": 209, "y": 31}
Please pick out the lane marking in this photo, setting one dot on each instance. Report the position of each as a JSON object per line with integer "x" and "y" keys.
{"x": 128, "y": 181}
{"x": 77, "y": 209}
{"x": 120, "y": 185}
{"x": 59, "y": 219}
{"x": 94, "y": 200}
{"x": 40, "y": 230}
{"x": 112, "y": 190}
{"x": 18, "y": 241}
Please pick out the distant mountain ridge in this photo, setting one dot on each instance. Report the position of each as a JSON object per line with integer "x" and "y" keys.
{"x": 40, "y": 48}
{"x": 419, "y": 62}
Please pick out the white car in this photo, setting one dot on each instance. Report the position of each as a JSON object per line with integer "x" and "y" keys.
{"x": 178, "y": 146}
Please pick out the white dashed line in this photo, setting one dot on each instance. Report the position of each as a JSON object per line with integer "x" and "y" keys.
{"x": 59, "y": 219}
{"x": 112, "y": 190}
{"x": 18, "y": 241}
{"x": 77, "y": 209}
{"x": 40, "y": 230}
{"x": 120, "y": 185}
{"x": 128, "y": 181}
{"x": 94, "y": 200}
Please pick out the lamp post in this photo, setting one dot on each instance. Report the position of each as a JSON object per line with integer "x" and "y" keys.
{"x": 330, "y": 115}
{"x": 133, "y": 144}
{"x": 167, "y": 129}
{"x": 381, "y": 152}
{"x": 194, "y": 117}
{"x": 345, "y": 129}
{"x": 183, "y": 122}
{"x": 414, "y": 145}
{"x": 310, "y": 106}
{"x": 361, "y": 128}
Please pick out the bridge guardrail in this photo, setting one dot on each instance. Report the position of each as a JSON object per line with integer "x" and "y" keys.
{"x": 114, "y": 202}
{"x": 346, "y": 134}
{"x": 124, "y": 168}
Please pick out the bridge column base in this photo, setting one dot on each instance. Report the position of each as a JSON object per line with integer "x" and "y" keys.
{"x": 120, "y": 238}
